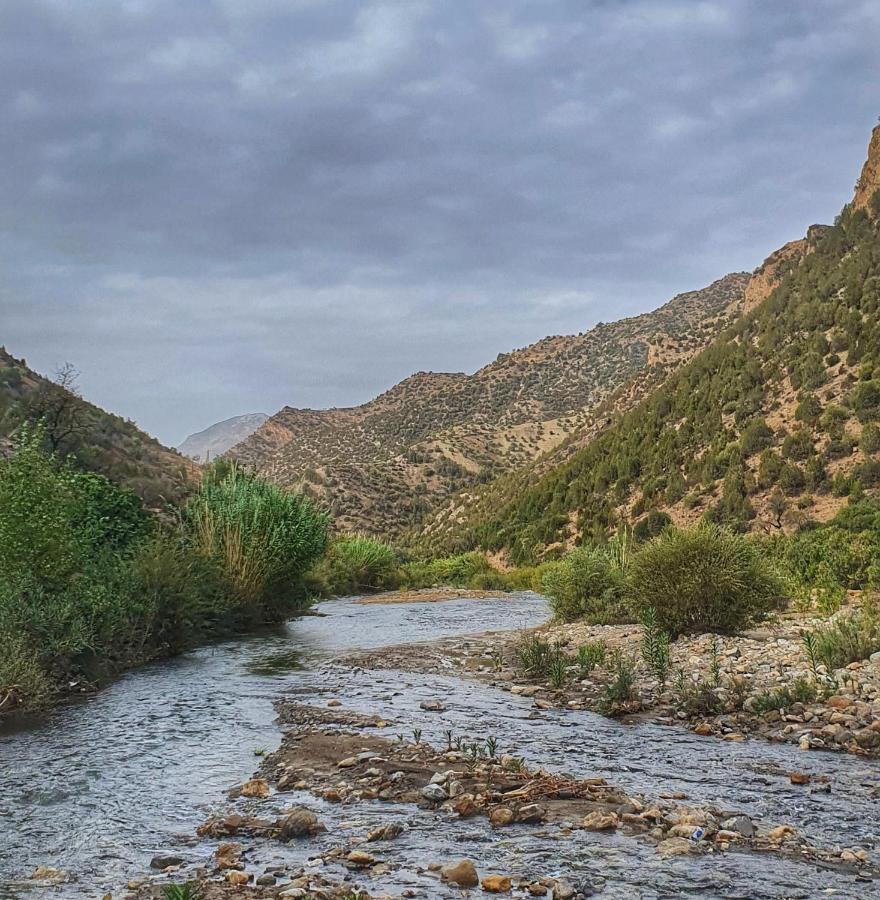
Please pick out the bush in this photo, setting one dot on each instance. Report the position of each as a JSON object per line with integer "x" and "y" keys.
{"x": 355, "y": 564}
{"x": 586, "y": 584}
{"x": 262, "y": 538}
{"x": 848, "y": 638}
{"x": 702, "y": 579}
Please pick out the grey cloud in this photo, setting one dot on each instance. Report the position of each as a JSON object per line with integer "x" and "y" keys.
{"x": 220, "y": 206}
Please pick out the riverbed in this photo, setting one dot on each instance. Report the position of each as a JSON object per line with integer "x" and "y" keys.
{"x": 98, "y": 788}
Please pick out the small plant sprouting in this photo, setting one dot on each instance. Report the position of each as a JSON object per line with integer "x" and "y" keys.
{"x": 655, "y": 646}
{"x": 558, "y": 671}
{"x": 417, "y": 736}
{"x": 497, "y": 658}
{"x": 448, "y": 734}
{"x": 259, "y": 751}
{"x": 491, "y": 746}
{"x": 589, "y": 656}
{"x": 619, "y": 690}
{"x": 810, "y": 645}
{"x": 715, "y": 663}
{"x": 187, "y": 891}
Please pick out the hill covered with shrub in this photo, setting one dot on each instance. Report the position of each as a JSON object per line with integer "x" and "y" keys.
{"x": 772, "y": 426}
{"x": 384, "y": 466}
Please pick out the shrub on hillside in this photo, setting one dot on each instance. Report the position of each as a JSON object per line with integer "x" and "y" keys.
{"x": 702, "y": 579}
{"x": 587, "y": 584}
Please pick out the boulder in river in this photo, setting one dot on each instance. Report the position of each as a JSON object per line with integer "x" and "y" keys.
{"x": 463, "y": 873}
{"x": 299, "y": 822}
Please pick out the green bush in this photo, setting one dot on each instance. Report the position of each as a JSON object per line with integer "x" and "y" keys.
{"x": 355, "y": 564}
{"x": 262, "y": 538}
{"x": 848, "y": 638}
{"x": 586, "y": 584}
{"x": 702, "y": 579}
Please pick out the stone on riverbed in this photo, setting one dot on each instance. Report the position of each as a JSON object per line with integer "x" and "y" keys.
{"x": 463, "y": 873}
{"x": 435, "y": 793}
{"x": 742, "y": 825}
{"x": 299, "y": 822}
{"x": 496, "y": 884}
{"x": 163, "y": 861}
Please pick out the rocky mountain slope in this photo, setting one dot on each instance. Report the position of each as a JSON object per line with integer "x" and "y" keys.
{"x": 775, "y": 423}
{"x": 218, "y": 438}
{"x": 98, "y": 440}
{"x": 384, "y": 466}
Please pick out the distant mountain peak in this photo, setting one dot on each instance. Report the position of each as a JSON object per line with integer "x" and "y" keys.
{"x": 216, "y": 439}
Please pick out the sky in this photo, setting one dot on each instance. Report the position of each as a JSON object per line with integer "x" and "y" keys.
{"x": 214, "y": 207}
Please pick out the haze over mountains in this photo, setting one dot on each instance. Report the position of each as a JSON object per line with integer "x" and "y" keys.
{"x": 216, "y": 439}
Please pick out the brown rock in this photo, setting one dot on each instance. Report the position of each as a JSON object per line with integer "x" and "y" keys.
{"x": 299, "y": 822}
{"x": 256, "y": 787}
{"x": 501, "y": 816}
{"x": 496, "y": 884}
{"x": 799, "y": 778}
{"x": 234, "y": 877}
{"x": 839, "y": 702}
{"x": 780, "y": 833}
{"x": 360, "y": 858}
{"x": 531, "y": 813}
{"x": 463, "y": 873}
{"x": 674, "y": 846}
{"x": 599, "y": 821}
{"x": 703, "y": 728}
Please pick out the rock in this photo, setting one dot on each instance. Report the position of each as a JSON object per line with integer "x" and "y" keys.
{"x": 299, "y": 822}
{"x": 724, "y": 836}
{"x": 334, "y": 703}
{"x": 704, "y": 728}
{"x": 496, "y": 884}
{"x": 465, "y": 806}
{"x": 804, "y": 742}
{"x": 360, "y": 858}
{"x": 435, "y": 793}
{"x": 799, "y": 778}
{"x": 463, "y": 873}
{"x": 266, "y": 880}
{"x": 385, "y": 832}
{"x": 501, "y": 816}
{"x": 530, "y": 813}
{"x": 839, "y": 702}
{"x": 163, "y": 861}
{"x": 780, "y": 833}
{"x": 347, "y": 763}
{"x": 674, "y": 846}
{"x": 562, "y": 890}
{"x": 867, "y": 738}
{"x": 543, "y": 704}
{"x": 439, "y": 778}
{"x": 227, "y": 856}
{"x": 742, "y": 825}
{"x": 432, "y": 705}
{"x": 332, "y": 796}
{"x": 256, "y": 787}
{"x": 599, "y": 821}
{"x": 234, "y": 877}
{"x": 47, "y": 873}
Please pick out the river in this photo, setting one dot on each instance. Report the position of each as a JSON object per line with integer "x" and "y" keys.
{"x": 98, "y": 787}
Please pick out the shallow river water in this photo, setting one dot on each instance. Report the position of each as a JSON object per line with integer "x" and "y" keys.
{"x": 101, "y": 786}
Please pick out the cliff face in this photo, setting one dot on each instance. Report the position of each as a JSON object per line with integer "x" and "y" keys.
{"x": 869, "y": 180}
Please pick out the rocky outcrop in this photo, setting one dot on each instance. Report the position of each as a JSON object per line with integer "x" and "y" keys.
{"x": 218, "y": 438}
{"x": 869, "y": 180}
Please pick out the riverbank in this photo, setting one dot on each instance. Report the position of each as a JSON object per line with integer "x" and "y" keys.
{"x": 732, "y": 687}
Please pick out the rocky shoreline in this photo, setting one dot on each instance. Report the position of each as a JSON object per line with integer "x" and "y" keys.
{"x": 713, "y": 688}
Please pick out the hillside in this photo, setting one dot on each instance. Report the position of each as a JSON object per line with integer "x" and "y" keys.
{"x": 384, "y": 466}
{"x": 772, "y": 425}
{"x": 98, "y": 440}
{"x": 218, "y": 438}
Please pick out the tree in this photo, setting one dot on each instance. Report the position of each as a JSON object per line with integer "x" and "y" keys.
{"x": 59, "y": 409}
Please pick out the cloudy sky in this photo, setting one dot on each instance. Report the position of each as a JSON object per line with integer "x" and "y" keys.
{"x": 226, "y": 206}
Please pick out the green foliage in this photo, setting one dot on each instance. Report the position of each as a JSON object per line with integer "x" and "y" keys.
{"x": 756, "y": 436}
{"x": 457, "y": 571}
{"x": 262, "y": 538}
{"x": 589, "y": 656}
{"x": 586, "y": 584}
{"x": 354, "y": 564}
{"x": 621, "y": 689}
{"x": 799, "y": 691}
{"x": 832, "y": 553}
{"x": 849, "y": 638}
{"x": 864, "y": 399}
{"x": 189, "y": 890}
{"x": 651, "y": 525}
{"x": 90, "y": 584}
{"x": 702, "y": 579}
{"x": 655, "y": 646}
{"x": 869, "y": 441}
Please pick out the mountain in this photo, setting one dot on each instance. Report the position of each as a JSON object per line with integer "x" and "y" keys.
{"x": 775, "y": 423}
{"x": 386, "y": 465}
{"x": 99, "y": 441}
{"x": 218, "y": 438}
